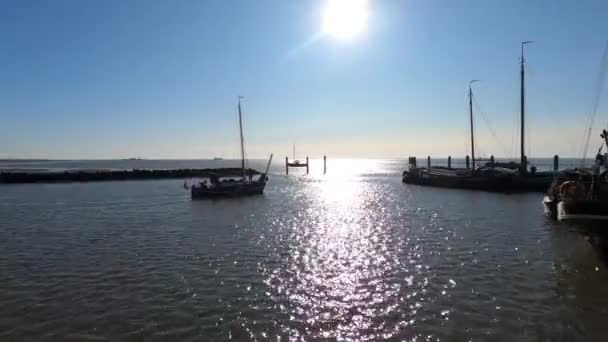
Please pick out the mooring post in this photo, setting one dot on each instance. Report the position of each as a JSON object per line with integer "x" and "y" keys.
{"x": 306, "y": 165}
{"x": 449, "y": 162}
{"x": 492, "y": 159}
{"x": 324, "y": 164}
{"x": 556, "y": 163}
{"x": 467, "y": 161}
{"x": 286, "y": 165}
{"x": 428, "y": 162}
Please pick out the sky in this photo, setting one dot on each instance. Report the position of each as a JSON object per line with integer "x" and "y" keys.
{"x": 160, "y": 79}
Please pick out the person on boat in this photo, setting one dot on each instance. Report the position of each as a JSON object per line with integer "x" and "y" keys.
{"x": 599, "y": 161}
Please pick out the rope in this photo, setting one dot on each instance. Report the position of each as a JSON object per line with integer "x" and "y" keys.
{"x": 599, "y": 85}
{"x": 489, "y": 125}
{"x": 514, "y": 134}
{"x": 467, "y": 132}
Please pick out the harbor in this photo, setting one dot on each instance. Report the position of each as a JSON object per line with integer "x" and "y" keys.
{"x": 328, "y": 170}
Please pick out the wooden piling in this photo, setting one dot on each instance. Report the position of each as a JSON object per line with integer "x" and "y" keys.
{"x": 286, "y": 165}
{"x": 324, "y": 164}
{"x": 467, "y": 162}
{"x": 306, "y": 165}
{"x": 449, "y": 162}
{"x": 555, "y": 162}
{"x": 492, "y": 159}
{"x": 428, "y": 162}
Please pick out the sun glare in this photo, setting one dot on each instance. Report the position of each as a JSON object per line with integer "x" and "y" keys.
{"x": 344, "y": 19}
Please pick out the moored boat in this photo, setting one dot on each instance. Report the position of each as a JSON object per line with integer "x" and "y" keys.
{"x": 503, "y": 177}
{"x": 580, "y": 194}
{"x": 482, "y": 178}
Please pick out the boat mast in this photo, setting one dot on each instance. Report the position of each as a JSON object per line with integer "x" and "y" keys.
{"x": 524, "y": 167}
{"x": 471, "y": 117}
{"x": 242, "y": 142}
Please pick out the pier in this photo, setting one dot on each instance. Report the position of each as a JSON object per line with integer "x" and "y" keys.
{"x": 490, "y": 162}
{"x": 299, "y": 164}
{"x": 117, "y": 175}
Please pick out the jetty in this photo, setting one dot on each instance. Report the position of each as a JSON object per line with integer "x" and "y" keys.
{"x": 298, "y": 164}
{"x": 118, "y": 175}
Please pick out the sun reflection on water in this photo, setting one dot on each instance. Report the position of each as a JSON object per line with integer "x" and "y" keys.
{"x": 338, "y": 280}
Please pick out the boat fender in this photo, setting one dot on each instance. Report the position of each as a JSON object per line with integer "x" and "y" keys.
{"x": 571, "y": 190}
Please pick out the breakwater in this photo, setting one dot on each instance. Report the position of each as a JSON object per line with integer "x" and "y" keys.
{"x": 116, "y": 175}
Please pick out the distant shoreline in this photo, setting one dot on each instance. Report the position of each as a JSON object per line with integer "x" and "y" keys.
{"x": 263, "y": 158}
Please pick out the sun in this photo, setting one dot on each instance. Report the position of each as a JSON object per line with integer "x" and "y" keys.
{"x": 344, "y": 19}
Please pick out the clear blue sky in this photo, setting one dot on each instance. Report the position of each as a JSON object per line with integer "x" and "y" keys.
{"x": 159, "y": 79}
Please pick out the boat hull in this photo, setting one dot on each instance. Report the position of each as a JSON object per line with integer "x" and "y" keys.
{"x": 236, "y": 190}
{"x": 488, "y": 180}
{"x": 533, "y": 182}
{"x": 550, "y": 205}
{"x": 460, "y": 180}
{"x": 582, "y": 211}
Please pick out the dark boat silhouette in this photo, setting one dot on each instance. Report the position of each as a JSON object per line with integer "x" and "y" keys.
{"x": 502, "y": 177}
{"x": 238, "y": 184}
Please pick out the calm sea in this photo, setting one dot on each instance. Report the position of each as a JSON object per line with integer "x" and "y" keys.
{"x": 351, "y": 255}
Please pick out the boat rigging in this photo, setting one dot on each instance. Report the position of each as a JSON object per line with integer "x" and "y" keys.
{"x": 524, "y": 164}
{"x": 471, "y": 117}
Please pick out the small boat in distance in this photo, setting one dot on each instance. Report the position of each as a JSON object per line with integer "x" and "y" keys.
{"x": 238, "y": 184}
{"x": 295, "y": 161}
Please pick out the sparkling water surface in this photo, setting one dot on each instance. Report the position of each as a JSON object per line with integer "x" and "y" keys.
{"x": 351, "y": 255}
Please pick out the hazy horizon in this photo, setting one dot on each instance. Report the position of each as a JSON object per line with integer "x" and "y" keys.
{"x": 160, "y": 80}
{"x": 280, "y": 159}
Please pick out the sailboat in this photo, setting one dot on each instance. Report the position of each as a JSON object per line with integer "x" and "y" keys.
{"x": 581, "y": 195}
{"x": 528, "y": 179}
{"x": 295, "y": 161}
{"x": 477, "y": 178}
{"x": 241, "y": 182}
{"x": 493, "y": 176}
